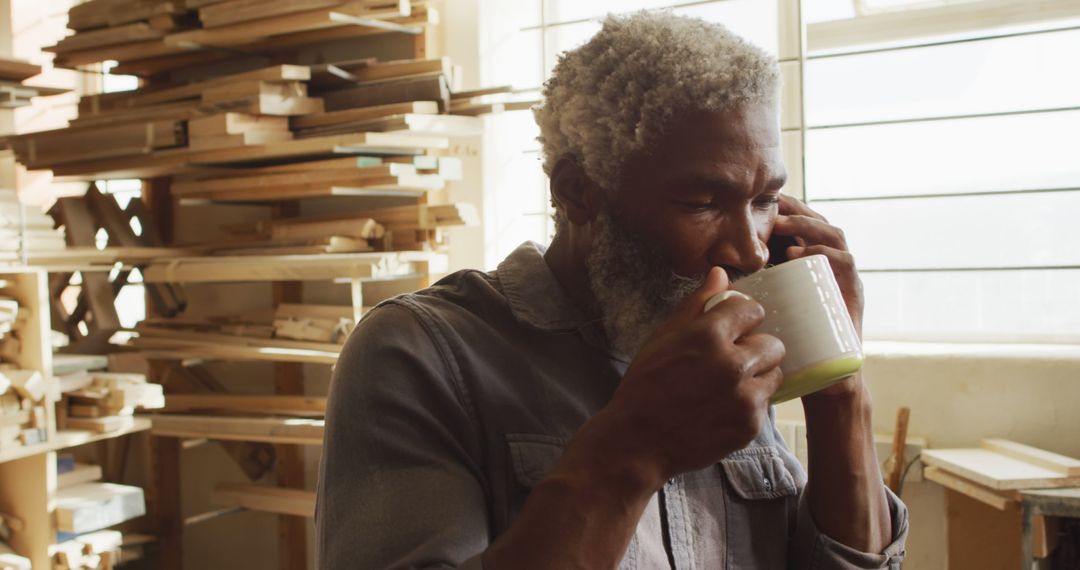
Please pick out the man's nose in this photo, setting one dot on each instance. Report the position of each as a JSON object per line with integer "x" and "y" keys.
{"x": 739, "y": 246}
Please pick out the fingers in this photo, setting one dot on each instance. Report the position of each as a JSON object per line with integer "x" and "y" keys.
{"x": 841, "y": 261}
{"x": 735, "y": 317}
{"x": 812, "y": 231}
{"x": 770, "y": 381}
{"x": 762, "y": 353}
{"x": 791, "y": 206}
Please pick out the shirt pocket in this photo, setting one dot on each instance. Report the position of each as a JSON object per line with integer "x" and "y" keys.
{"x": 760, "y": 508}
{"x": 532, "y": 458}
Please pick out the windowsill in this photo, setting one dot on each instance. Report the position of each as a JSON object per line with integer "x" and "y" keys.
{"x": 887, "y": 350}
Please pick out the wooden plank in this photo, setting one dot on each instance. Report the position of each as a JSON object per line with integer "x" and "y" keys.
{"x": 364, "y": 114}
{"x": 235, "y": 124}
{"x": 251, "y": 138}
{"x": 47, "y": 148}
{"x": 1062, "y": 464}
{"x": 978, "y": 492}
{"x": 427, "y": 87}
{"x": 170, "y": 162}
{"x": 254, "y": 30}
{"x": 408, "y": 186}
{"x": 83, "y": 473}
{"x": 184, "y": 109}
{"x": 399, "y": 68}
{"x": 299, "y": 431}
{"x": 93, "y": 506}
{"x": 462, "y": 97}
{"x": 225, "y": 13}
{"x": 994, "y": 470}
{"x": 474, "y": 109}
{"x": 427, "y": 125}
{"x": 383, "y": 265}
{"x": 297, "y": 405}
{"x": 17, "y": 70}
{"x": 262, "y": 498}
{"x": 138, "y": 31}
{"x": 106, "y": 424}
{"x": 418, "y": 217}
{"x": 118, "y": 52}
{"x": 202, "y": 186}
{"x": 193, "y": 90}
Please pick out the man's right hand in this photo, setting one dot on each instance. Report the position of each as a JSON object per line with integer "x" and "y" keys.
{"x": 698, "y": 390}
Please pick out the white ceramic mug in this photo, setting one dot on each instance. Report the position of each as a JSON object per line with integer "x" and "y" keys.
{"x": 805, "y": 310}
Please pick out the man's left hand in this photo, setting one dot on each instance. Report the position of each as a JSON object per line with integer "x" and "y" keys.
{"x": 815, "y": 235}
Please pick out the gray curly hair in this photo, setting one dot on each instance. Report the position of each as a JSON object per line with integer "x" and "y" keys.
{"x": 612, "y": 96}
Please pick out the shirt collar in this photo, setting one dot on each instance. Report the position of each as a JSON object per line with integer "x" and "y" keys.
{"x": 535, "y": 296}
{"x": 538, "y": 299}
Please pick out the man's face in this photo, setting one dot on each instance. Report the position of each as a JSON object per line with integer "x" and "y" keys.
{"x": 706, "y": 197}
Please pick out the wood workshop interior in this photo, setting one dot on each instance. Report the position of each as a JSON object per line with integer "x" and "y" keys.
{"x": 539, "y": 284}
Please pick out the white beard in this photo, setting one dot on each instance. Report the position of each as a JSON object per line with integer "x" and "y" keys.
{"x": 635, "y": 287}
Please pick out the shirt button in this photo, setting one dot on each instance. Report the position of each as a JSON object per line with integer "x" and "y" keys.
{"x": 768, "y": 484}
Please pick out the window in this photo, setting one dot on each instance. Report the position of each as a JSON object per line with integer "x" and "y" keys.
{"x": 950, "y": 161}
{"x": 942, "y": 136}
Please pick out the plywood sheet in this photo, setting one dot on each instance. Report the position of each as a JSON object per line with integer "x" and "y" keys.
{"x": 995, "y": 470}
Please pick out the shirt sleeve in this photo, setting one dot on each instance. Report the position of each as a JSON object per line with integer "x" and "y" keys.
{"x": 400, "y": 483}
{"x": 813, "y": 550}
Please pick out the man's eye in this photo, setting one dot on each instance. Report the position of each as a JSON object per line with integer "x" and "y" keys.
{"x": 767, "y": 201}
{"x": 697, "y": 206}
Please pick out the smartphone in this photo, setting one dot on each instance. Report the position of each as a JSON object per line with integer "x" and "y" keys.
{"x": 778, "y": 248}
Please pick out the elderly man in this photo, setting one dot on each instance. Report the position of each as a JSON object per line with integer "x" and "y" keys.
{"x": 577, "y": 407}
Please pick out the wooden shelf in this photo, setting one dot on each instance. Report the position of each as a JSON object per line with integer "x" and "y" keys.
{"x": 300, "y": 431}
{"x": 71, "y": 438}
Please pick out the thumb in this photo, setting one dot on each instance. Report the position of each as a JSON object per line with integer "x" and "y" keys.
{"x": 694, "y": 305}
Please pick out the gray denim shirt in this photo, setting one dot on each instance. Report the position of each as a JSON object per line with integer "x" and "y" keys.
{"x": 449, "y": 404}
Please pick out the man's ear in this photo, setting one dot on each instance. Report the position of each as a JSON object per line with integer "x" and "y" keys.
{"x": 573, "y": 190}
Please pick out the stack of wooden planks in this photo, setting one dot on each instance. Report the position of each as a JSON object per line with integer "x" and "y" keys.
{"x": 106, "y": 401}
{"x": 147, "y": 30}
{"x": 94, "y": 550}
{"x": 25, "y": 230}
{"x": 23, "y": 393}
{"x": 412, "y": 227}
{"x": 282, "y": 113}
{"x": 13, "y": 91}
{"x": 88, "y": 507}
